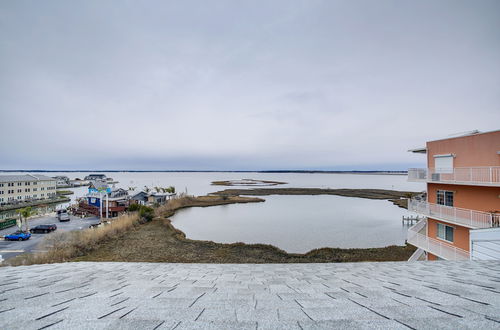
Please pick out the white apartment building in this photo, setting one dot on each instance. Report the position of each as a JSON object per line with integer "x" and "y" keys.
{"x": 26, "y": 187}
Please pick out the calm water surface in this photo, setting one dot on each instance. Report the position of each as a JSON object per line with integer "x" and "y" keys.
{"x": 293, "y": 223}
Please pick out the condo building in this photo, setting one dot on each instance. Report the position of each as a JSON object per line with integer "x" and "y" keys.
{"x": 16, "y": 188}
{"x": 462, "y": 204}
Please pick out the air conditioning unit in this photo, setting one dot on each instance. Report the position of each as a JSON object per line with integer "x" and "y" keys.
{"x": 436, "y": 177}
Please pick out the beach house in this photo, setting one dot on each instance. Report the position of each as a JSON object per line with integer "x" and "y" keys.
{"x": 462, "y": 204}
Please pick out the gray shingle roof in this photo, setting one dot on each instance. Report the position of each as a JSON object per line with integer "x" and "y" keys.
{"x": 390, "y": 295}
{"x": 26, "y": 177}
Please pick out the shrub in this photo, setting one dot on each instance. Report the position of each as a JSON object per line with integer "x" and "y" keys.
{"x": 146, "y": 213}
{"x": 134, "y": 207}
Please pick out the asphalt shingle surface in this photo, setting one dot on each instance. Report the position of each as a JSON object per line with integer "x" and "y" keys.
{"x": 391, "y": 295}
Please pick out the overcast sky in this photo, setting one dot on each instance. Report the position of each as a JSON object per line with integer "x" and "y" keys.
{"x": 242, "y": 85}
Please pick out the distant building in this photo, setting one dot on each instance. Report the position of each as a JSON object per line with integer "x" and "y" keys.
{"x": 17, "y": 188}
{"x": 150, "y": 198}
{"x": 62, "y": 181}
{"x": 93, "y": 177}
{"x": 462, "y": 206}
{"x": 139, "y": 198}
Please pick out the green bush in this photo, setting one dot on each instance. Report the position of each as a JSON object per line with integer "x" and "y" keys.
{"x": 146, "y": 213}
{"x": 134, "y": 207}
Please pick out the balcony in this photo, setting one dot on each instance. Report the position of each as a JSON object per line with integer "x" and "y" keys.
{"x": 434, "y": 246}
{"x": 462, "y": 217}
{"x": 477, "y": 176}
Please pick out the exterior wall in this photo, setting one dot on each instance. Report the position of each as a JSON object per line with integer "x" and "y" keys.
{"x": 468, "y": 197}
{"x": 27, "y": 189}
{"x": 431, "y": 257}
{"x": 460, "y": 235}
{"x": 470, "y": 151}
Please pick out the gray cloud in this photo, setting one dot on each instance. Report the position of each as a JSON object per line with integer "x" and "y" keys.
{"x": 233, "y": 85}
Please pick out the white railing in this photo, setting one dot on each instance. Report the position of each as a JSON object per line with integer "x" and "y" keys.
{"x": 417, "y": 174}
{"x": 416, "y": 255}
{"x": 463, "y": 217}
{"x": 489, "y": 176}
{"x": 419, "y": 226}
{"x": 435, "y": 246}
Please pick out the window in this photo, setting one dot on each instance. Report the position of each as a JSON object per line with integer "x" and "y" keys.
{"x": 19, "y": 190}
{"x": 1, "y": 192}
{"x": 445, "y": 232}
{"x": 443, "y": 163}
{"x": 1, "y": 184}
{"x": 35, "y": 183}
{"x": 19, "y": 183}
{"x": 444, "y": 198}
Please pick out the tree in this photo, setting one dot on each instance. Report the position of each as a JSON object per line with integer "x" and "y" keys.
{"x": 24, "y": 214}
{"x": 146, "y": 189}
{"x": 170, "y": 189}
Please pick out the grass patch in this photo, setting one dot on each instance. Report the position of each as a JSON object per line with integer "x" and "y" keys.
{"x": 64, "y": 192}
{"x": 160, "y": 241}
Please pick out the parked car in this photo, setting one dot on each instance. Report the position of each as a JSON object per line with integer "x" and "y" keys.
{"x": 63, "y": 215}
{"x": 43, "y": 228}
{"x": 18, "y": 236}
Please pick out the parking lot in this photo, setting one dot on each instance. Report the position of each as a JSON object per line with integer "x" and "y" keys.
{"x": 9, "y": 249}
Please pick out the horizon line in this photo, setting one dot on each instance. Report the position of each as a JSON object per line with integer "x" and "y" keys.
{"x": 241, "y": 171}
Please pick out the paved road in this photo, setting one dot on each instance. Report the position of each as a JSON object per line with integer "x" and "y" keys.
{"x": 364, "y": 295}
{"x": 9, "y": 249}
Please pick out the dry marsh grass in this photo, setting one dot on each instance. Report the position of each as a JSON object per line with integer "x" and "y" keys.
{"x": 64, "y": 246}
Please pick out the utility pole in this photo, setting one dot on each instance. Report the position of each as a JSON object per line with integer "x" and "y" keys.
{"x": 100, "y": 206}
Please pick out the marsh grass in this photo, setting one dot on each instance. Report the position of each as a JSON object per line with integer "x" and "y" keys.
{"x": 63, "y": 246}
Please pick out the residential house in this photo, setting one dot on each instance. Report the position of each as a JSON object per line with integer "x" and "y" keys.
{"x": 462, "y": 206}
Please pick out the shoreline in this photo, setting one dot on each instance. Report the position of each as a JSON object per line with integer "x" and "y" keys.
{"x": 213, "y": 171}
{"x": 161, "y": 241}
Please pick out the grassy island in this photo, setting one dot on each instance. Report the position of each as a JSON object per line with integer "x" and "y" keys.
{"x": 247, "y": 183}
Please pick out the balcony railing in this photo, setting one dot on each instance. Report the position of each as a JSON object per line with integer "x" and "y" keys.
{"x": 435, "y": 246}
{"x": 417, "y": 174}
{"x": 459, "y": 216}
{"x": 487, "y": 176}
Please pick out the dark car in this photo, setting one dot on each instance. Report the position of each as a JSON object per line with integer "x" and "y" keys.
{"x": 18, "y": 236}
{"x": 43, "y": 228}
